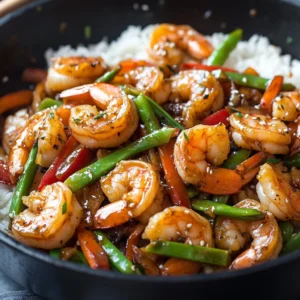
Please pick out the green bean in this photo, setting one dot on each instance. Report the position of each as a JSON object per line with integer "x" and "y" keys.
{"x": 101, "y": 167}
{"x": 236, "y": 158}
{"x": 219, "y": 56}
{"x": 48, "y": 102}
{"x": 55, "y": 253}
{"x": 109, "y": 76}
{"x": 221, "y": 209}
{"x": 220, "y": 198}
{"x": 189, "y": 252}
{"x": 163, "y": 116}
{"x": 115, "y": 256}
{"x": 146, "y": 113}
{"x": 24, "y": 183}
{"x": 292, "y": 161}
{"x": 286, "y": 229}
{"x": 254, "y": 81}
{"x": 78, "y": 256}
{"x": 292, "y": 244}
{"x": 192, "y": 192}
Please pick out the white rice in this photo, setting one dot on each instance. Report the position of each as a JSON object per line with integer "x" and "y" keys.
{"x": 257, "y": 53}
{"x": 6, "y": 193}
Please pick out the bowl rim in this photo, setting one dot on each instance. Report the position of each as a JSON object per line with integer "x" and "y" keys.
{"x": 7, "y": 239}
{"x": 202, "y": 277}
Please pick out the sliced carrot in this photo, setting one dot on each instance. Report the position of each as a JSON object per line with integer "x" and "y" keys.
{"x": 133, "y": 240}
{"x": 112, "y": 215}
{"x": 175, "y": 266}
{"x": 271, "y": 93}
{"x": 177, "y": 188}
{"x": 15, "y": 100}
{"x": 92, "y": 250}
{"x": 144, "y": 260}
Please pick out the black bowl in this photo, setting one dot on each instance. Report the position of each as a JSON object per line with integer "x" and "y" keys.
{"x": 27, "y": 33}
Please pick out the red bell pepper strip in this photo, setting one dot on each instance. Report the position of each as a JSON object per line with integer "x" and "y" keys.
{"x": 4, "y": 173}
{"x": 271, "y": 93}
{"x": 92, "y": 250}
{"x": 178, "y": 191}
{"x": 76, "y": 163}
{"x": 77, "y": 160}
{"x": 197, "y": 66}
{"x": 219, "y": 116}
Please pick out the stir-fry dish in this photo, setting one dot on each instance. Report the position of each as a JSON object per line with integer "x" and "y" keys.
{"x": 173, "y": 165}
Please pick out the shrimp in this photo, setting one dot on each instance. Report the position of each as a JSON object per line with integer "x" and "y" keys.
{"x": 68, "y": 72}
{"x": 109, "y": 128}
{"x": 286, "y": 106}
{"x": 160, "y": 202}
{"x": 180, "y": 224}
{"x": 51, "y": 218}
{"x": 168, "y": 42}
{"x": 261, "y": 133}
{"x": 48, "y": 130}
{"x": 202, "y": 91}
{"x": 233, "y": 235}
{"x": 277, "y": 193}
{"x": 200, "y": 149}
{"x": 148, "y": 79}
{"x": 12, "y": 126}
{"x": 131, "y": 187}
{"x": 39, "y": 95}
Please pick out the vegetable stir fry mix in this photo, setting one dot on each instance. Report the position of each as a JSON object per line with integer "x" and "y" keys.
{"x": 168, "y": 166}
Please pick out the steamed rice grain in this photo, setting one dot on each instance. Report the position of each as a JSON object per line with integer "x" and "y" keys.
{"x": 257, "y": 53}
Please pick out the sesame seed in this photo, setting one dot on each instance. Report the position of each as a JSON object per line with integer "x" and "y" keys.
{"x": 133, "y": 268}
{"x": 246, "y": 115}
{"x": 244, "y": 79}
{"x": 211, "y": 171}
{"x": 286, "y": 113}
{"x": 161, "y": 266}
{"x": 145, "y": 7}
{"x": 189, "y": 225}
{"x": 190, "y": 242}
{"x": 207, "y": 14}
{"x": 130, "y": 214}
{"x": 187, "y": 211}
{"x": 131, "y": 205}
{"x": 202, "y": 243}
{"x": 5, "y": 79}
{"x": 177, "y": 232}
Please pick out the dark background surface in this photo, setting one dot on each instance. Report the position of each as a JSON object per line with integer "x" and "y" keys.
{"x": 23, "y": 42}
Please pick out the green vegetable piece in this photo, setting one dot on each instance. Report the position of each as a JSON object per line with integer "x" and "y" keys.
{"x": 292, "y": 244}
{"x": 100, "y": 116}
{"x": 219, "y": 56}
{"x": 24, "y": 184}
{"x": 64, "y": 208}
{"x": 236, "y": 158}
{"x": 115, "y": 256}
{"x": 164, "y": 117}
{"x": 87, "y": 32}
{"x": 220, "y": 198}
{"x": 273, "y": 160}
{"x": 109, "y": 76}
{"x": 292, "y": 161}
{"x": 55, "y": 253}
{"x": 192, "y": 192}
{"x": 189, "y": 252}
{"x": 146, "y": 113}
{"x": 225, "y": 210}
{"x": 48, "y": 102}
{"x": 254, "y": 81}
{"x": 286, "y": 229}
{"x": 101, "y": 167}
